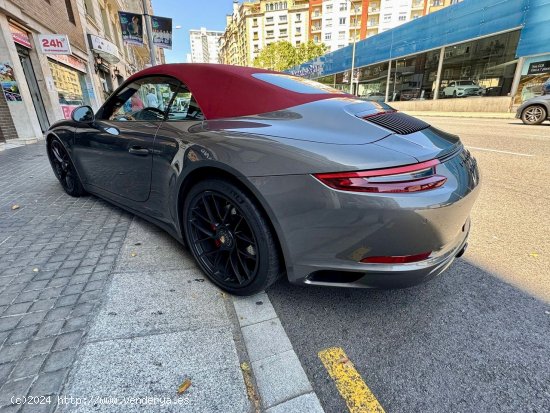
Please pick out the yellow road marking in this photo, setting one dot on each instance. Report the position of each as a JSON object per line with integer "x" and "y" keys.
{"x": 349, "y": 383}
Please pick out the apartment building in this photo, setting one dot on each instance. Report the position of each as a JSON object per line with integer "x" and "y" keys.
{"x": 204, "y": 46}
{"x": 435, "y": 5}
{"x": 254, "y": 25}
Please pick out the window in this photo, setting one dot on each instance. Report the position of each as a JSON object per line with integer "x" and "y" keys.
{"x": 70, "y": 12}
{"x": 387, "y": 17}
{"x": 328, "y": 36}
{"x": 282, "y": 19}
{"x": 143, "y": 100}
{"x": 342, "y": 21}
{"x": 270, "y": 33}
{"x": 184, "y": 107}
{"x": 341, "y": 35}
{"x": 105, "y": 20}
{"x": 343, "y": 6}
{"x": 255, "y": 22}
{"x": 402, "y": 17}
{"x": 328, "y": 23}
{"x": 436, "y": 3}
{"x": 329, "y": 8}
{"x": 295, "y": 84}
{"x": 298, "y": 30}
{"x": 298, "y": 17}
{"x": 269, "y": 20}
{"x": 89, "y": 8}
{"x": 283, "y": 32}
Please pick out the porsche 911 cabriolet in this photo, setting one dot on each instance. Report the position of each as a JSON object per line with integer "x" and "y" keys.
{"x": 263, "y": 174}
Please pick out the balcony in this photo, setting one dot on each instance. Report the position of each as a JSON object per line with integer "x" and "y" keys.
{"x": 374, "y": 10}
{"x": 371, "y": 24}
{"x": 315, "y": 29}
{"x": 417, "y": 5}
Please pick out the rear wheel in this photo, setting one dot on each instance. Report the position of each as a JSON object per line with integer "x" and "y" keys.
{"x": 64, "y": 169}
{"x": 533, "y": 115}
{"x": 230, "y": 238}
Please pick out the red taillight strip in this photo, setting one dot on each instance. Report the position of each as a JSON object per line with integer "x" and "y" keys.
{"x": 396, "y": 259}
{"x": 400, "y": 179}
{"x": 381, "y": 172}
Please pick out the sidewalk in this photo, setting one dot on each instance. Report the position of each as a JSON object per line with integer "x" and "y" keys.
{"x": 484, "y": 115}
{"x": 102, "y": 311}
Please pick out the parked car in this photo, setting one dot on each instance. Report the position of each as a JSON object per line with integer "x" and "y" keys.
{"x": 461, "y": 88}
{"x": 275, "y": 175}
{"x": 535, "y": 110}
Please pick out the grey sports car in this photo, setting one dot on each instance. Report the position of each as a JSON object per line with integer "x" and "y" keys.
{"x": 262, "y": 174}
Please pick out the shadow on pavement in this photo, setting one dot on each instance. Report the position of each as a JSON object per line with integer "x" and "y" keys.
{"x": 463, "y": 342}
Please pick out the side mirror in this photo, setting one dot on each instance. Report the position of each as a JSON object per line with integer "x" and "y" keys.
{"x": 83, "y": 114}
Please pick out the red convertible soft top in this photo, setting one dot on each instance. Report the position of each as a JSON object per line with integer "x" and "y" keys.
{"x": 224, "y": 91}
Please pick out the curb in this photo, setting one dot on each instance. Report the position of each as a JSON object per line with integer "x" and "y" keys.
{"x": 281, "y": 380}
{"x": 17, "y": 143}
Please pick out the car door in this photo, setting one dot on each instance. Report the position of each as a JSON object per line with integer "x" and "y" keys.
{"x": 115, "y": 152}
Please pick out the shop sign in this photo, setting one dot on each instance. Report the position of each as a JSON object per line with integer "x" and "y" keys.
{"x": 20, "y": 36}
{"x": 54, "y": 44}
{"x": 9, "y": 83}
{"x": 104, "y": 48}
{"x": 70, "y": 60}
{"x": 537, "y": 68}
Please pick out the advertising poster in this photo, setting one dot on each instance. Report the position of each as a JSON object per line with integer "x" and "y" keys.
{"x": 162, "y": 32}
{"x": 9, "y": 84}
{"x": 132, "y": 27}
{"x": 534, "y": 74}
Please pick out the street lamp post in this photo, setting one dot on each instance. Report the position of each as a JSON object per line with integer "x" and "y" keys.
{"x": 353, "y": 50}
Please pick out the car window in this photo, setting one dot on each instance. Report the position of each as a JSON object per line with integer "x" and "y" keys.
{"x": 184, "y": 107}
{"x": 451, "y": 84}
{"x": 143, "y": 100}
{"x": 295, "y": 84}
{"x": 466, "y": 83}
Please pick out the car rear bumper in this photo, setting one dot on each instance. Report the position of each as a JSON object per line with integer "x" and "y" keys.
{"x": 325, "y": 233}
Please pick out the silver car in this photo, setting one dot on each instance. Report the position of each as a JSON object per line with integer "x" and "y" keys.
{"x": 265, "y": 175}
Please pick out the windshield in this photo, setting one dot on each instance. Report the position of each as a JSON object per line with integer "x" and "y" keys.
{"x": 295, "y": 84}
{"x": 466, "y": 83}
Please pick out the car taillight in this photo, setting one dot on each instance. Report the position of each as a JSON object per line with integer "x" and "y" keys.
{"x": 396, "y": 259}
{"x": 411, "y": 178}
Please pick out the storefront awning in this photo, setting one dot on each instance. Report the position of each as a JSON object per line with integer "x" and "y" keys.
{"x": 104, "y": 48}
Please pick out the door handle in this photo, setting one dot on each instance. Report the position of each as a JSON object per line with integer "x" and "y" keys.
{"x": 138, "y": 151}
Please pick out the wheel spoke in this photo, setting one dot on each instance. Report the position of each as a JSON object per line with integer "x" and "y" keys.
{"x": 208, "y": 210}
{"x": 243, "y": 237}
{"x": 235, "y": 269}
{"x": 243, "y": 265}
{"x": 201, "y": 229}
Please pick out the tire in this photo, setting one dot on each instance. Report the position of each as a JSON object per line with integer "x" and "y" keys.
{"x": 534, "y": 115}
{"x": 64, "y": 169}
{"x": 229, "y": 238}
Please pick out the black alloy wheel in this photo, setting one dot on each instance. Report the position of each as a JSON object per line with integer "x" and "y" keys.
{"x": 229, "y": 238}
{"x": 533, "y": 115}
{"x": 64, "y": 169}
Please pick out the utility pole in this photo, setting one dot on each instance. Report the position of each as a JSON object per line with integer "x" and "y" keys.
{"x": 149, "y": 29}
{"x": 352, "y": 13}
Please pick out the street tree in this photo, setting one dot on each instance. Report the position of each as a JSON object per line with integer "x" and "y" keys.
{"x": 283, "y": 55}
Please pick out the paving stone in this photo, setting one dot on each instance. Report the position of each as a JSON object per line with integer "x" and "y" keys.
{"x": 306, "y": 403}
{"x": 8, "y": 323}
{"x": 5, "y": 370}
{"x": 17, "y": 388}
{"x": 39, "y": 346}
{"x": 22, "y": 334}
{"x": 16, "y": 309}
{"x": 254, "y": 309}
{"x": 68, "y": 340}
{"x": 77, "y": 323}
{"x": 50, "y": 328}
{"x": 43, "y": 305}
{"x": 59, "y": 360}
{"x": 265, "y": 339}
{"x": 27, "y": 296}
{"x": 28, "y": 367}
{"x": 11, "y": 352}
{"x": 48, "y": 383}
{"x": 32, "y": 318}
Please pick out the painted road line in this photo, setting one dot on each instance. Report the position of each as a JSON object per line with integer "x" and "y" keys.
{"x": 357, "y": 395}
{"x": 499, "y": 151}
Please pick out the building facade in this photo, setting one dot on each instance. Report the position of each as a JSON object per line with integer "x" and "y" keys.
{"x": 204, "y": 46}
{"x": 252, "y": 26}
{"x": 478, "y": 55}
{"x": 39, "y": 88}
{"x": 336, "y": 23}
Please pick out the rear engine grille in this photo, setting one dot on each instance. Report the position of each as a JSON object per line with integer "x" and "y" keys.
{"x": 397, "y": 122}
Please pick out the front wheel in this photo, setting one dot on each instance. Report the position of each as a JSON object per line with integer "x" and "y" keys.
{"x": 533, "y": 115}
{"x": 230, "y": 238}
{"x": 64, "y": 169}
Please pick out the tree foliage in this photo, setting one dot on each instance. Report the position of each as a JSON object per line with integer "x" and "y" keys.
{"x": 283, "y": 55}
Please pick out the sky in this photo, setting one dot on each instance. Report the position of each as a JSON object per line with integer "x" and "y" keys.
{"x": 190, "y": 14}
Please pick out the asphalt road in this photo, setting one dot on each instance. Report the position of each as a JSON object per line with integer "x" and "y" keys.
{"x": 476, "y": 339}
